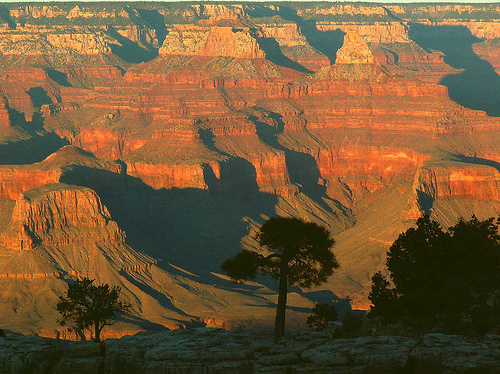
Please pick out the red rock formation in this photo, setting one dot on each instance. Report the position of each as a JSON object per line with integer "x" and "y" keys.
{"x": 214, "y": 41}
{"x": 354, "y": 51}
{"x": 459, "y": 181}
{"x": 16, "y": 179}
{"x": 168, "y": 176}
{"x": 5, "y": 127}
{"x": 272, "y": 174}
{"x": 370, "y": 167}
{"x": 59, "y": 214}
{"x": 220, "y": 110}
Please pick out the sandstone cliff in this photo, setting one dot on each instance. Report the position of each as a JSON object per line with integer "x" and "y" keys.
{"x": 215, "y": 41}
{"x": 58, "y": 214}
{"x": 17, "y": 179}
{"x": 459, "y": 181}
{"x": 195, "y": 122}
{"x": 354, "y": 51}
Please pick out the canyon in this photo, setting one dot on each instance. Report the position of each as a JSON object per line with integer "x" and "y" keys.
{"x": 143, "y": 144}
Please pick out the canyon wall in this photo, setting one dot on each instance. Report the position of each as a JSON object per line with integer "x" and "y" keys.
{"x": 143, "y": 144}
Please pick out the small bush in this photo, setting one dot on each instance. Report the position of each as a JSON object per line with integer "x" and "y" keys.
{"x": 323, "y": 313}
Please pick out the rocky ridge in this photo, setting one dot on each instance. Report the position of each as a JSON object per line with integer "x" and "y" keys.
{"x": 219, "y": 351}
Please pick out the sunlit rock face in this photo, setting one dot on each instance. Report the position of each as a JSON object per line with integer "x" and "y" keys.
{"x": 211, "y": 41}
{"x": 143, "y": 144}
{"x": 354, "y": 51}
{"x": 58, "y": 214}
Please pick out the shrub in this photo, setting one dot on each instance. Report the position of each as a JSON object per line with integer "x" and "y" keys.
{"x": 323, "y": 313}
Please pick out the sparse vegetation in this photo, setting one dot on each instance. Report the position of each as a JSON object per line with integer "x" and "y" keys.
{"x": 300, "y": 256}
{"x": 91, "y": 307}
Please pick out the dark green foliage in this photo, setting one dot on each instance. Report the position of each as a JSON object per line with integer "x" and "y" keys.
{"x": 90, "y": 306}
{"x": 323, "y": 313}
{"x": 304, "y": 246}
{"x": 442, "y": 280}
{"x": 300, "y": 256}
{"x": 243, "y": 266}
{"x": 382, "y": 296}
{"x": 351, "y": 324}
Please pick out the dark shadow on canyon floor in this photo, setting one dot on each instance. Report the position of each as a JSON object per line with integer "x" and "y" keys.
{"x": 273, "y": 53}
{"x": 195, "y": 229}
{"x": 39, "y": 97}
{"x": 5, "y": 16}
{"x": 58, "y": 76}
{"x": 29, "y": 142}
{"x": 188, "y": 229}
{"x": 327, "y": 42}
{"x": 425, "y": 202}
{"x": 478, "y": 161}
{"x": 157, "y": 21}
{"x": 478, "y": 86}
{"x": 30, "y": 151}
{"x": 129, "y": 50}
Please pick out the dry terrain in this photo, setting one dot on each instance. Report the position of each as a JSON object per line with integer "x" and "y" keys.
{"x": 142, "y": 144}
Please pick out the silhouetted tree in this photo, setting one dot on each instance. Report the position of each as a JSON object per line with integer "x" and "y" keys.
{"x": 300, "y": 256}
{"x": 90, "y": 306}
{"x": 323, "y": 313}
{"x": 436, "y": 275}
{"x": 382, "y": 296}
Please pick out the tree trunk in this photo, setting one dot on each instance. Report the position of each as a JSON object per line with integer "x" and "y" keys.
{"x": 97, "y": 332}
{"x": 279, "y": 325}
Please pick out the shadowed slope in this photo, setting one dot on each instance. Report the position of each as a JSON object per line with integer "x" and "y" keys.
{"x": 478, "y": 86}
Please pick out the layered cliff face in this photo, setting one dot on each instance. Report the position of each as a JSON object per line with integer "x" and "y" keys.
{"x": 134, "y": 133}
{"x": 354, "y": 51}
{"x": 16, "y": 179}
{"x": 57, "y": 214}
{"x": 212, "y": 41}
{"x": 22, "y": 42}
{"x": 459, "y": 181}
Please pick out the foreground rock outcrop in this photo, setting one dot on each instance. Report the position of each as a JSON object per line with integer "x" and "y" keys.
{"x": 205, "y": 350}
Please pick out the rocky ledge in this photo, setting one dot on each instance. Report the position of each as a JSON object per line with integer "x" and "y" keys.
{"x": 212, "y": 351}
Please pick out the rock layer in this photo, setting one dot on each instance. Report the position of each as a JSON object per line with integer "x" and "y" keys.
{"x": 202, "y": 350}
{"x": 58, "y": 214}
{"x": 193, "y": 123}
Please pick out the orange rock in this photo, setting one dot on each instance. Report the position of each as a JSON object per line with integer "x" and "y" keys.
{"x": 59, "y": 214}
{"x": 16, "y": 179}
{"x": 354, "y": 51}
{"x": 214, "y": 41}
{"x": 459, "y": 181}
{"x": 168, "y": 176}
